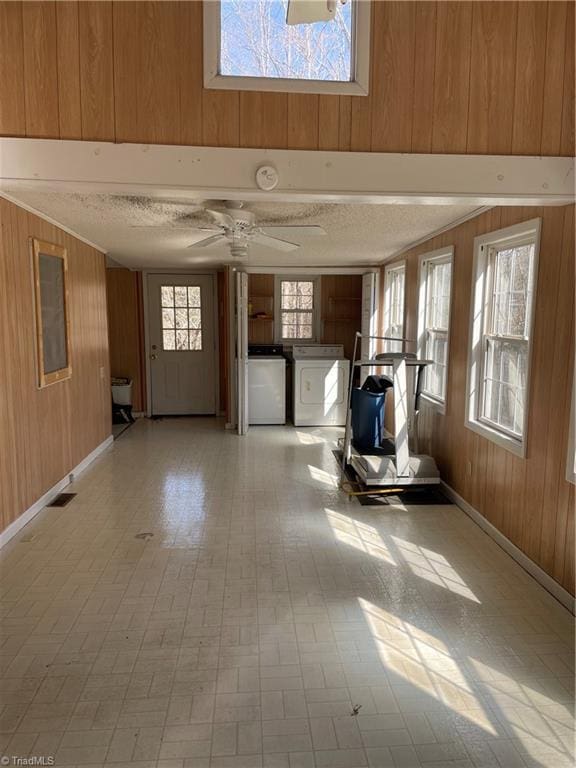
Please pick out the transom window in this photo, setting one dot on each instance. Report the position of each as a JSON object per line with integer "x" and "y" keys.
{"x": 394, "y": 280}
{"x": 297, "y": 306}
{"x": 502, "y": 319}
{"x": 287, "y": 45}
{"x": 181, "y": 317}
{"x": 434, "y": 321}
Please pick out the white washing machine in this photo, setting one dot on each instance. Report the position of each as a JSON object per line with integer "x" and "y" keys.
{"x": 320, "y": 385}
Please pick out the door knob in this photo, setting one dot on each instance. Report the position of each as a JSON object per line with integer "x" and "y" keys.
{"x": 152, "y": 357}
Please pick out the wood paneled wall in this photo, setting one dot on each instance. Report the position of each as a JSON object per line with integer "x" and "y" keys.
{"x": 44, "y": 433}
{"x": 528, "y": 500}
{"x": 446, "y": 77}
{"x": 341, "y": 297}
{"x": 126, "y": 330}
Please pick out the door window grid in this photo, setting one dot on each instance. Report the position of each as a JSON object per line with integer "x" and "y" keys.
{"x": 394, "y": 307}
{"x": 181, "y": 307}
{"x": 297, "y": 309}
{"x": 506, "y": 336}
{"x": 437, "y": 317}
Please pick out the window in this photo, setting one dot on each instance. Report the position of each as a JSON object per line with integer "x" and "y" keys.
{"x": 297, "y": 309}
{"x": 394, "y": 278}
{"x": 434, "y": 321}
{"x": 52, "y": 320}
{"x": 502, "y": 318}
{"x": 248, "y": 45}
{"x": 181, "y": 317}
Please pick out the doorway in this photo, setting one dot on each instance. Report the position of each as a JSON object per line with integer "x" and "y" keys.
{"x": 181, "y": 344}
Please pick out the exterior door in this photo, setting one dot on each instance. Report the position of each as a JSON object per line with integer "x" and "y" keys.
{"x": 181, "y": 344}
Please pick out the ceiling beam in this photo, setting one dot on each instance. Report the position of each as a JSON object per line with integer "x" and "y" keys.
{"x": 341, "y": 177}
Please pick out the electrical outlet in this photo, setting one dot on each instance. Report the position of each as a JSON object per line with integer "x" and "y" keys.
{"x": 102, "y": 372}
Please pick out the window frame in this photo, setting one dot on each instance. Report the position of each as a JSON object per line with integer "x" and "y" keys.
{"x": 39, "y": 248}
{"x": 278, "y": 280}
{"x": 480, "y": 311}
{"x": 439, "y": 256}
{"x": 391, "y": 269}
{"x": 358, "y": 86}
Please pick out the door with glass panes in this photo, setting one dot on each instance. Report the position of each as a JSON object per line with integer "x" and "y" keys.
{"x": 181, "y": 344}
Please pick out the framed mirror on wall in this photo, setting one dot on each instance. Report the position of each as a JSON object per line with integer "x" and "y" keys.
{"x": 52, "y": 314}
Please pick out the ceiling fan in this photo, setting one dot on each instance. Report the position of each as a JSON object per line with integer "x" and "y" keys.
{"x": 238, "y": 228}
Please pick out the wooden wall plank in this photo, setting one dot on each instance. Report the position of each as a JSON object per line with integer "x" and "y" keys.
{"x": 393, "y": 76}
{"x": 528, "y": 499}
{"x": 328, "y": 123}
{"x": 302, "y": 121}
{"x": 492, "y": 77}
{"x": 220, "y": 118}
{"x": 97, "y": 70}
{"x": 191, "y": 74}
{"x": 147, "y": 77}
{"x": 424, "y": 73}
{"x": 263, "y": 119}
{"x": 345, "y": 123}
{"x": 567, "y": 135}
{"x": 452, "y": 75}
{"x": 12, "y": 100}
{"x": 530, "y": 70}
{"x": 40, "y": 69}
{"x": 554, "y": 79}
{"x": 68, "y": 48}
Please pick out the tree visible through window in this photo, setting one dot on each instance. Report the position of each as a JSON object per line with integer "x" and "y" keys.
{"x": 510, "y": 277}
{"x": 297, "y": 309}
{"x": 394, "y": 307}
{"x": 438, "y": 276}
{"x": 255, "y": 41}
{"x": 181, "y": 317}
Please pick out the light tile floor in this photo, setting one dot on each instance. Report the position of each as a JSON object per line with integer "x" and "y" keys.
{"x": 262, "y": 610}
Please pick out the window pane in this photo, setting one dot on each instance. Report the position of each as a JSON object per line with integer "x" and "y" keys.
{"x": 181, "y": 295}
{"x": 167, "y": 293}
{"x": 195, "y": 317}
{"x": 181, "y": 340}
{"x": 511, "y": 290}
{"x": 196, "y": 340}
{"x": 167, "y": 318}
{"x": 255, "y": 41}
{"x": 505, "y": 383}
{"x": 169, "y": 339}
{"x": 181, "y": 318}
{"x": 194, "y": 296}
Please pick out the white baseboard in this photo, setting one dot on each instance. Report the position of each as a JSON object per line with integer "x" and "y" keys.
{"x": 32, "y": 511}
{"x": 546, "y": 581}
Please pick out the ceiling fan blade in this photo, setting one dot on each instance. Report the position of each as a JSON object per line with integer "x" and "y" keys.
{"x": 273, "y": 242}
{"x": 209, "y": 240}
{"x": 294, "y": 230}
{"x": 221, "y": 217}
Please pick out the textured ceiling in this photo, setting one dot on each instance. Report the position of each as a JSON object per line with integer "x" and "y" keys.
{"x": 147, "y": 232}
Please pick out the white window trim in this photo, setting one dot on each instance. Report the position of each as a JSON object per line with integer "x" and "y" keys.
{"x": 397, "y": 266}
{"x": 278, "y": 339}
{"x": 360, "y": 64}
{"x": 506, "y": 236}
{"x": 441, "y": 255}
